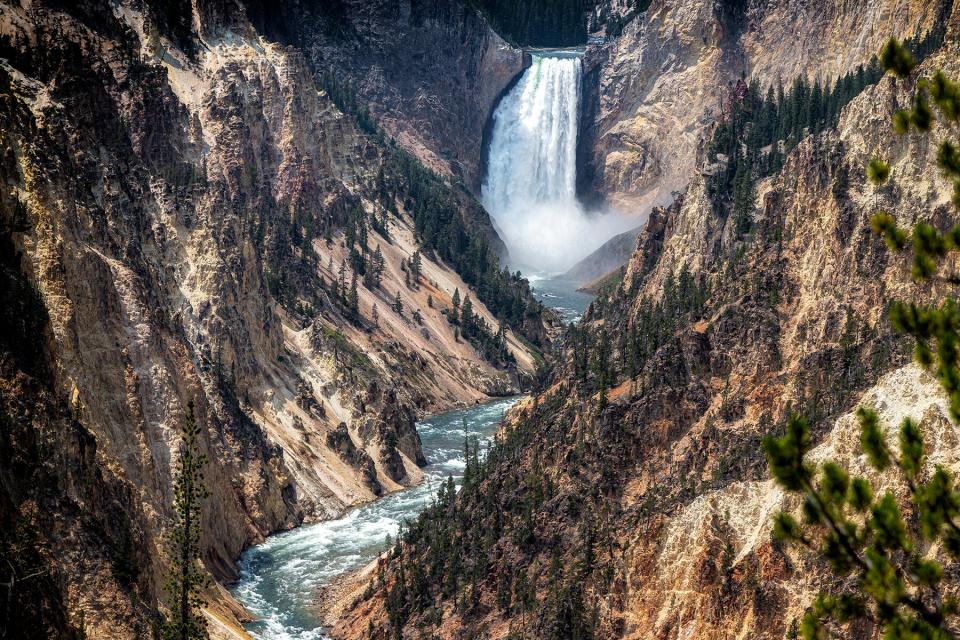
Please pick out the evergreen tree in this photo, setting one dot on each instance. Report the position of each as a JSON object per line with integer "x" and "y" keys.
{"x": 185, "y": 577}
{"x": 354, "y": 299}
{"x": 378, "y": 266}
{"x": 466, "y": 317}
{"x": 601, "y": 361}
{"x": 455, "y": 316}
{"x": 342, "y": 278}
{"x": 398, "y": 304}
{"x": 743, "y": 197}
{"x": 416, "y": 267}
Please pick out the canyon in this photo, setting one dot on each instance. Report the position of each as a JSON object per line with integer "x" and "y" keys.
{"x": 176, "y": 203}
{"x": 644, "y": 509}
{"x": 278, "y": 215}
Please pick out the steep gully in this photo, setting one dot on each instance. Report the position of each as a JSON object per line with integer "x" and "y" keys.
{"x": 530, "y": 192}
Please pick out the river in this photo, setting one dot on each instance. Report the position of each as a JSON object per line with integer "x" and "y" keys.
{"x": 279, "y": 579}
{"x": 562, "y": 295}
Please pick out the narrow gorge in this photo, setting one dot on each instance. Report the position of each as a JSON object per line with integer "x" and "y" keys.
{"x": 478, "y": 319}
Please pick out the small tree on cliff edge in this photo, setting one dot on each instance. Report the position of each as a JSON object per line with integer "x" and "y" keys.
{"x": 890, "y": 566}
{"x": 185, "y": 577}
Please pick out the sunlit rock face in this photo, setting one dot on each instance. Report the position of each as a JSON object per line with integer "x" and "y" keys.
{"x": 652, "y": 92}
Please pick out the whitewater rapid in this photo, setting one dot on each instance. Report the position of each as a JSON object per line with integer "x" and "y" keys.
{"x": 530, "y": 187}
{"x": 280, "y": 579}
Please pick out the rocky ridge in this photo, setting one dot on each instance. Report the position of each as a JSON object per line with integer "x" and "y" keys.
{"x": 653, "y": 91}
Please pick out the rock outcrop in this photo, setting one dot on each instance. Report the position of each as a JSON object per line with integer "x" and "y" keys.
{"x": 429, "y": 72}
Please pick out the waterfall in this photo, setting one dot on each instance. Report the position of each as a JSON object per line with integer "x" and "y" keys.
{"x": 530, "y": 184}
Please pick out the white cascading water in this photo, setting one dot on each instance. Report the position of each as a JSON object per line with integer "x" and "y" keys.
{"x": 530, "y": 184}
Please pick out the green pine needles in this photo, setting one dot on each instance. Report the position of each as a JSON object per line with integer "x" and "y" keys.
{"x": 889, "y": 557}
{"x": 186, "y": 577}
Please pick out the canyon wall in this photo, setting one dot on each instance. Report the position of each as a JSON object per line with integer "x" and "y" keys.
{"x": 429, "y": 71}
{"x": 177, "y": 198}
{"x": 654, "y": 90}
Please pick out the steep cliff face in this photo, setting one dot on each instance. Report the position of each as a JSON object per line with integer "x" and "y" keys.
{"x": 631, "y": 499}
{"x": 182, "y": 207}
{"x": 706, "y": 566}
{"x": 429, "y": 71}
{"x": 653, "y": 91}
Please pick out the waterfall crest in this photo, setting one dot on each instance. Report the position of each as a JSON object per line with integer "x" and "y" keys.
{"x": 530, "y": 184}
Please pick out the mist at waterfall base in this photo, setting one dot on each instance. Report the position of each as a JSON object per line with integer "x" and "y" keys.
{"x": 530, "y": 183}
{"x": 280, "y": 578}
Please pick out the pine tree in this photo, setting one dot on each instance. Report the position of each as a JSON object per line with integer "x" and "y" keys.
{"x": 398, "y": 304}
{"x": 378, "y": 265}
{"x": 781, "y": 113}
{"x": 375, "y": 316}
{"x": 743, "y": 197}
{"x": 897, "y": 579}
{"x": 362, "y": 236}
{"x": 350, "y": 236}
{"x": 416, "y": 267}
{"x": 342, "y": 279}
{"x": 815, "y": 108}
{"x": 601, "y": 361}
{"x": 454, "y": 318}
{"x": 185, "y": 577}
{"x": 466, "y": 317}
{"x": 354, "y": 298}
{"x": 501, "y": 342}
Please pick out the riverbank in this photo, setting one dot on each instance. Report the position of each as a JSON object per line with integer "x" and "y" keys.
{"x": 280, "y": 579}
